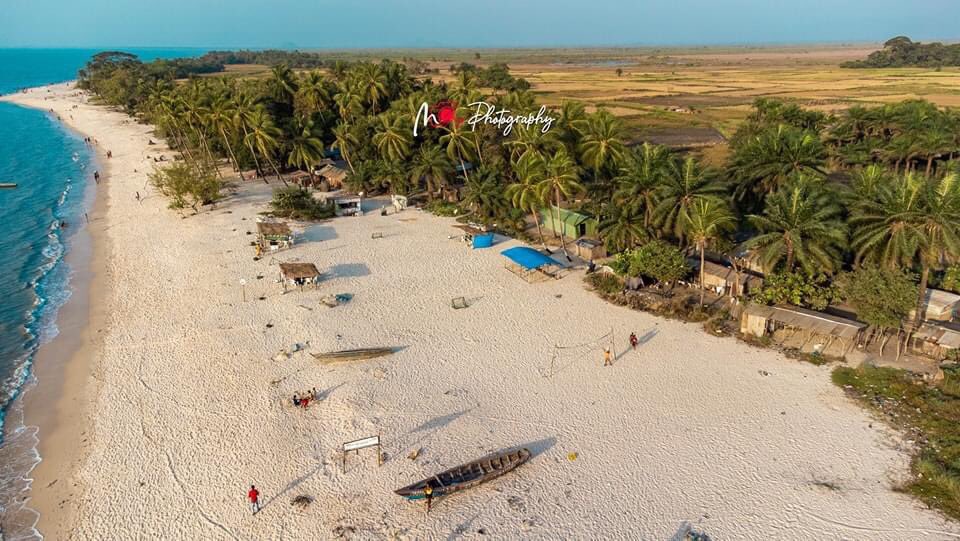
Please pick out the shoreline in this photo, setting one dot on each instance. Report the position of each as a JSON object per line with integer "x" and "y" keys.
{"x": 192, "y": 399}
{"x": 62, "y": 387}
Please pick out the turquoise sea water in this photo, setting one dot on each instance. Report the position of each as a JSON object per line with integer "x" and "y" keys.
{"x": 52, "y": 168}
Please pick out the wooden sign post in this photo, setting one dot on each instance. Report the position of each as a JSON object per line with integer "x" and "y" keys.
{"x": 243, "y": 289}
{"x": 364, "y": 443}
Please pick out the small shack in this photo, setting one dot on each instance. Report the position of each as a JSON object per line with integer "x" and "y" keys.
{"x": 724, "y": 280}
{"x": 939, "y": 305}
{"x": 332, "y": 174}
{"x": 570, "y": 224}
{"x": 298, "y": 275}
{"x": 937, "y": 340}
{"x": 273, "y": 236}
{"x": 348, "y": 205}
{"x": 302, "y": 179}
{"x": 589, "y": 249}
{"x": 530, "y": 264}
{"x": 799, "y": 326}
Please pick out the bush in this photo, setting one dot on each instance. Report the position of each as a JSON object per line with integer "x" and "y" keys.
{"x": 299, "y": 204}
{"x": 444, "y": 208}
{"x": 657, "y": 260}
{"x": 605, "y": 283}
{"x": 187, "y": 185}
{"x": 797, "y": 289}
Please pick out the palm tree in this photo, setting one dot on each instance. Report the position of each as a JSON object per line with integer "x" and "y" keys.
{"x": 306, "y": 148}
{"x": 685, "y": 183}
{"x": 373, "y": 81}
{"x": 938, "y": 223}
{"x": 707, "y": 222}
{"x": 263, "y": 136}
{"x": 313, "y": 94}
{"x": 623, "y": 228}
{"x": 282, "y": 84}
{"x": 526, "y": 194}
{"x": 602, "y": 143}
{"x": 561, "y": 179}
{"x": 800, "y": 224}
{"x": 345, "y": 140}
{"x": 349, "y": 101}
{"x": 244, "y": 108}
{"x": 393, "y": 138}
{"x": 220, "y": 116}
{"x": 484, "y": 194}
{"x": 431, "y": 164}
{"x": 530, "y": 140}
{"x": 767, "y": 161}
{"x": 460, "y": 144}
{"x": 569, "y": 124}
{"x": 642, "y": 173}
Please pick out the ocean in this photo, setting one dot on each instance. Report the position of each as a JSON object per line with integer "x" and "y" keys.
{"x": 53, "y": 168}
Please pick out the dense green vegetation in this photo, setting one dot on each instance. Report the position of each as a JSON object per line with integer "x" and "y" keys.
{"x": 901, "y": 52}
{"x": 930, "y": 414}
{"x": 806, "y": 194}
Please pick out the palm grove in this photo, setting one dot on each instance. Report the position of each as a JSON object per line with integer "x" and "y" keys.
{"x": 863, "y": 206}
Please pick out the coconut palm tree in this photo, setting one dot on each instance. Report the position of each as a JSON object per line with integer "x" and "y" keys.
{"x": 526, "y": 193}
{"x": 373, "y": 81}
{"x": 345, "y": 140}
{"x": 244, "y": 108}
{"x": 767, "y": 161}
{"x": 313, "y": 94}
{"x": 484, "y": 194}
{"x": 685, "y": 183}
{"x": 530, "y": 140}
{"x": 706, "y": 223}
{"x": 393, "y": 137}
{"x": 642, "y": 173}
{"x": 431, "y": 165}
{"x": 569, "y": 124}
{"x": 306, "y": 147}
{"x": 460, "y": 144}
{"x": 561, "y": 179}
{"x": 601, "y": 145}
{"x": 220, "y": 117}
{"x": 623, "y": 228}
{"x": 801, "y": 224}
{"x": 349, "y": 100}
{"x": 938, "y": 223}
{"x": 263, "y": 136}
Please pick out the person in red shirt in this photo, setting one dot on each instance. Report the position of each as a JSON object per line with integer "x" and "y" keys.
{"x": 254, "y": 496}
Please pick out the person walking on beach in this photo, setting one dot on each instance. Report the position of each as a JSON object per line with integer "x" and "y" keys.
{"x": 428, "y": 492}
{"x": 254, "y": 496}
{"x": 633, "y": 340}
{"x": 96, "y": 176}
{"x": 606, "y": 358}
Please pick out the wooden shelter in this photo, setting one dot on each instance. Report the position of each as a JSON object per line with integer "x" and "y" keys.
{"x": 939, "y": 305}
{"x": 298, "y": 274}
{"x": 334, "y": 174}
{"x": 724, "y": 280}
{"x": 937, "y": 340}
{"x": 759, "y": 320}
{"x": 274, "y": 236}
{"x": 589, "y": 249}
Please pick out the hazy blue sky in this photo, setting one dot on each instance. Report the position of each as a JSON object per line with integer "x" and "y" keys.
{"x": 468, "y": 23}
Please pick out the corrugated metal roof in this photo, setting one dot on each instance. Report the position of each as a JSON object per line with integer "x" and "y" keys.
{"x": 801, "y": 318}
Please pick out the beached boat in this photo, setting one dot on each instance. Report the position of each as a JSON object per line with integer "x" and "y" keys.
{"x": 351, "y": 355}
{"x": 466, "y": 476}
{"x": 7, "y": 185}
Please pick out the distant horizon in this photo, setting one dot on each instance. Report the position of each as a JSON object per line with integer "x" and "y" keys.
{"x": 462, "y": 24}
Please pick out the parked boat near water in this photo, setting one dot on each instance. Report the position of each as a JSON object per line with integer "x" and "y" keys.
{"x": 467, "y": 475}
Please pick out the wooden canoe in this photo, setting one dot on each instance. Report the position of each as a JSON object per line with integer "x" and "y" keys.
{"x": 466, "y": 476}
{"x": 351, "y": 355}
{"x": 7, "y": 185}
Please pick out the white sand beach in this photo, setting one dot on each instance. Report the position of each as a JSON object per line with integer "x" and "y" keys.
{"x": 191, "y": 403}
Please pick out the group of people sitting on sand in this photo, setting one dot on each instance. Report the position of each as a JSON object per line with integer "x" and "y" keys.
{"x": 302, "y": 400}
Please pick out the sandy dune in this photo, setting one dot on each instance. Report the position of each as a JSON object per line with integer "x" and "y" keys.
{"x": 738, "y": 442}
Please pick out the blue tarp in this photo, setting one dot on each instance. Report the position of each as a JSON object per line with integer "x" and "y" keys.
{"x": 527, "y": 258}
{"x": 483, "y": 241}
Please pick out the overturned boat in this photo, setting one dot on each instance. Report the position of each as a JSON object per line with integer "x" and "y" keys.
{"x": 466, "y": 476}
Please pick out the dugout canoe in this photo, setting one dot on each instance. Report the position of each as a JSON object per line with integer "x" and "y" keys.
{"x": 351, "y": 355}
{"x": 466, "y": 476}
{"x": 7, "y": 185}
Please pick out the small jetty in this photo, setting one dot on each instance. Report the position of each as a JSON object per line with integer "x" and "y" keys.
{"x": 351, "y": 355}
{"x": 466, "y": 476}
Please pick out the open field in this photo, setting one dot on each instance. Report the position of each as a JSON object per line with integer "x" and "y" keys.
{"x": 690, "y": 96}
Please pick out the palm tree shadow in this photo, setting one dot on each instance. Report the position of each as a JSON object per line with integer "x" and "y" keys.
{"x": 430, "y": 427}
{"x": 292, "y": 485}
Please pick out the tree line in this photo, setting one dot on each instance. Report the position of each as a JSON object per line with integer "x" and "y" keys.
{"x": 808, "y": 195}
{"x": 902, "y": 52}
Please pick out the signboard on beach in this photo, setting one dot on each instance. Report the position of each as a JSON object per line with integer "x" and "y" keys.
{"x": 363, "y": 443}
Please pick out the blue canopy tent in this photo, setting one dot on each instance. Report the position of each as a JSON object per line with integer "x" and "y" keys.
{"x": 483, "y": 241}
{"x": 529, "y": 261}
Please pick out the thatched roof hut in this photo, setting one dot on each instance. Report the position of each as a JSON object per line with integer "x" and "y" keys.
{"x": 298, "y": 274}
{"x": 334, "y": 174}
{"x": 274, "y": 235}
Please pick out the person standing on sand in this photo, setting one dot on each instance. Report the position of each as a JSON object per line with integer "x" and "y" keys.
{"x": 428, "y": 492}
{"x": 633, "y": 340}
{"x": 606, "y": 357}
{"x": 254, "y": 496}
